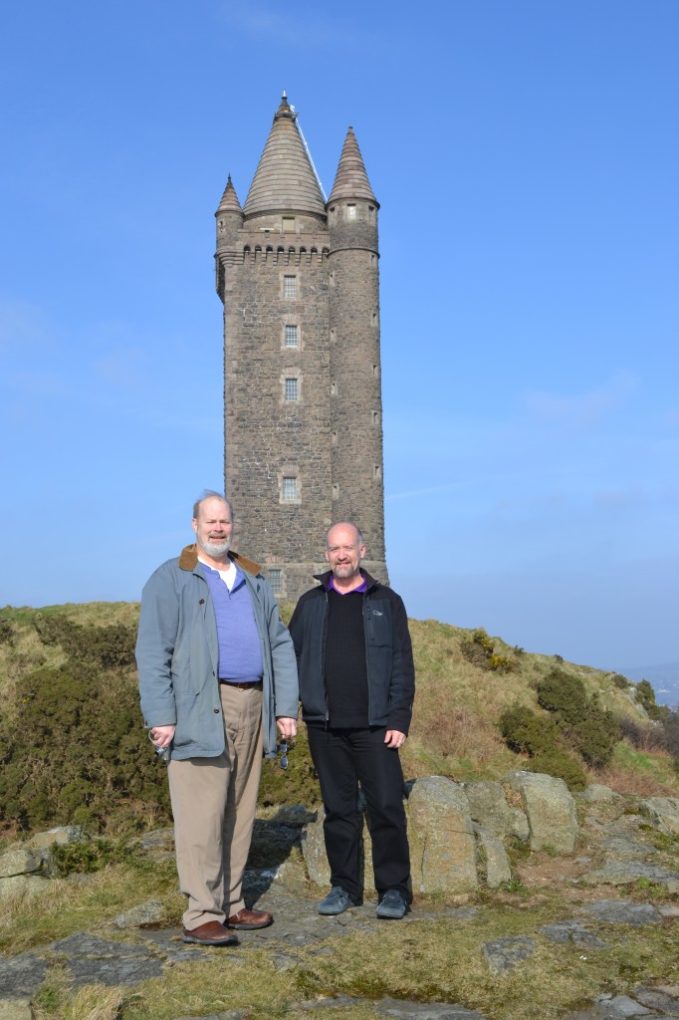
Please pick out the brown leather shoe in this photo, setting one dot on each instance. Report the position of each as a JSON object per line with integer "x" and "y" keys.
{"x": 248, "y": 920}
{"x": 212, "y": 933}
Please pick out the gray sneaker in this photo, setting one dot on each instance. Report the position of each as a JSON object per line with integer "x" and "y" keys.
{"x": 336, "y": 902}
{"x": 392, "y": 906}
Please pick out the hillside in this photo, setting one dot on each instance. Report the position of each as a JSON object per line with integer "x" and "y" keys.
{"x": 68, "y": 689}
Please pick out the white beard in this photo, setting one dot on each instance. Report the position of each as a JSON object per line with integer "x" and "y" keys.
{"x": 216, "y": 549}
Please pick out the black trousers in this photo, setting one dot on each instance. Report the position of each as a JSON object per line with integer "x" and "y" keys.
{"x": 344, "y": 758}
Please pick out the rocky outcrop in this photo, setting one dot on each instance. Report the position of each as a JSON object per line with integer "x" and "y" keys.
{"x": 443, "y": 854}
{"x": 550, "y": 809}
{"x": 663, "y": 812}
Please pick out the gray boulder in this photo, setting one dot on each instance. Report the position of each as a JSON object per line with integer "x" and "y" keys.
{"x": 19, "y": 861}
{"x": 313, "y": 851}
{"x": 488, "y": 807}
{"x": 550, "y": 809}
{"x": 663, "y": 812}
{"x": 443, "y": 857}
{"x": 495, "y": 860}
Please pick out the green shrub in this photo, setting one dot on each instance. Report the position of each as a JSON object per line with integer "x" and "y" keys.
{"x": 592, "y": 730}
{"x": 77, "y": 752}
{"x": 480, "y": 651}
{"x": 564, "y": 694}
{"x": 561, "y": 765}
{"x": 110, "y": 647}
{"x": 501, "y": 663}
{"x": 6, "y": 632}
{"x": 646, "y": 698}
{"x": 621, "y": 681}
{"x": 526, "y": 732}
{"x": 82, "y": 858}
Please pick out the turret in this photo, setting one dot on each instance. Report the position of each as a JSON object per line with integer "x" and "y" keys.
{"x": 229, "y": 220}
{"x": 356, "y": 397}
{"x": 352, "y": 206}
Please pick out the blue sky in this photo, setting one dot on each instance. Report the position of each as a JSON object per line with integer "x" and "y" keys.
{"x": 525, "y": 155}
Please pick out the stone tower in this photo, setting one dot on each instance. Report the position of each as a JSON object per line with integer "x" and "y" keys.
{"x": 298, "y": 277}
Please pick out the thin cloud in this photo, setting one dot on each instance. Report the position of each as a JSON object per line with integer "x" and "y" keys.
{"x": 265, "y": 23}
{"x": 127, "y": 366}
{"x": 22, "y": 326}
{"x": 583, "y": 409}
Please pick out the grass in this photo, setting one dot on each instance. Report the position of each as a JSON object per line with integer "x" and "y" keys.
{"x": 439, "y": 960}
{"x": 634, "y": 771}
{"x": 72, "y": 905}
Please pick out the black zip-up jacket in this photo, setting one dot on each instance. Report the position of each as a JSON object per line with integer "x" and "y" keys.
{"x": 388, "y": 654}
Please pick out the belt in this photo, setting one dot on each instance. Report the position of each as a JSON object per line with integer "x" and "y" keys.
{"x": 251, "y": 685}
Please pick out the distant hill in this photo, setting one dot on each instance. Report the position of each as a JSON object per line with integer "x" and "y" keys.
{"x": 664, "y": 679}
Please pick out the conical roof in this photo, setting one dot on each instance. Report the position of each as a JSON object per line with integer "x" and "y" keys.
{"x": 351, "y": 180}
{"x": 229, "y": 202}
{"x": 285, "y": 178}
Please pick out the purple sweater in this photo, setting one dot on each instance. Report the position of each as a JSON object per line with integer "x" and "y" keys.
{"x": 240, "y": 651}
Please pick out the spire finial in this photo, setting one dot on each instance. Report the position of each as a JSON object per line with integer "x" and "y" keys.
{"x": 284, "y": 109}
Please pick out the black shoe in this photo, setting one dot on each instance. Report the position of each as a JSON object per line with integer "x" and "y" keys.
{"x": 336, "y": 902}
{"x": 392, "y": 906}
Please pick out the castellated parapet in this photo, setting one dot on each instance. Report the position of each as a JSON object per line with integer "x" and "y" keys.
{"x": 299, "y": 280}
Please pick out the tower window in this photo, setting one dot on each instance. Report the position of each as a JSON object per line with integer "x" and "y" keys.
{"x": 275, "y": 575}
{"x": 291, "y": 336}
{"x": 351, "y": 212}
{"x": 290, "y": 286}
{"x": 291, "y": 388}
{"x": 289, "y": 224}
{"x": 376, "y": 417}
{"x": 289, "y": 490}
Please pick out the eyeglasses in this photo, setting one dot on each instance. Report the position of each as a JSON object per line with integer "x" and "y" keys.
{"x": 282, "y": 749}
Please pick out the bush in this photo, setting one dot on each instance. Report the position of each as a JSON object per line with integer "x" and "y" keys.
{"x": 526, "y": 732}
{"x": 77, "y": 752}
{"x": 561, "y": 765}
{"x": 110, "y": 647}
{"x": 480, "y": 651}
{"x": 6, "y": 633}
{"x": 538, "y": 737}
{"x": 621, "y": 681}
{"x": 592, "y": 729}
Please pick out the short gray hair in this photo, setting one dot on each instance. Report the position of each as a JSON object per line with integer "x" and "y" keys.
{"x": 211, "y": 494}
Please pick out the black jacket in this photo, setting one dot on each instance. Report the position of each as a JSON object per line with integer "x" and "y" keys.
{"x": 388, "y": 654}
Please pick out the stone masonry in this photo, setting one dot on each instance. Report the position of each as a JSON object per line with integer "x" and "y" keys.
{"x": 298, "y": 277}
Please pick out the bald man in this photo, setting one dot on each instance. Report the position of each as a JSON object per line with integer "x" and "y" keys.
{"x": 357, "y": 683}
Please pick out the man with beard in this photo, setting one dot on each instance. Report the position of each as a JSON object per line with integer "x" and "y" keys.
{"x": 217, "y": 677}
{"x": 357, "y": 684}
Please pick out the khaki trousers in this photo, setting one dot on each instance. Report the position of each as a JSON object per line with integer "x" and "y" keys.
{"x": 213, "y": 805}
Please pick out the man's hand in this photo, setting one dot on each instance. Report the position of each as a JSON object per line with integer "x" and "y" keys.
{"x": 161, "y": 736}
{"x": 394, "y": 738}
{"x": 287, "y": 727}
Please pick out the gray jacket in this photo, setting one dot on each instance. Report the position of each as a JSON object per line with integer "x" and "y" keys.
{"x": 177, "y": 654}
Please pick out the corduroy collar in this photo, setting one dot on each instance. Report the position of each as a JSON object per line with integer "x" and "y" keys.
{"x": 188, "y": 560}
